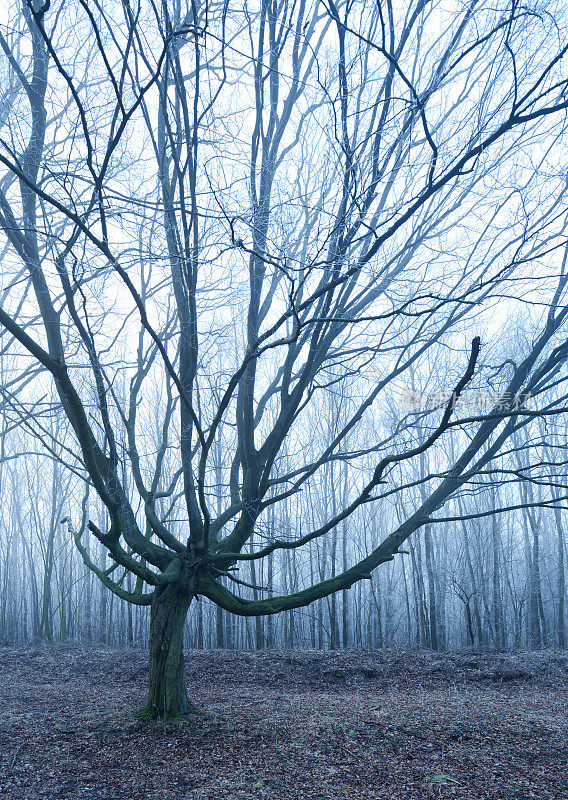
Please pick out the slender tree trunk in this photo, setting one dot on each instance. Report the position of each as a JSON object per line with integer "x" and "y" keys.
{"x": 432, "y": 605}
{"x": 258, "y": 621}
{"x": 220, "y": 619}
{"x": 88, "y": 606}
{"x": 498, "y": 624}
{"x": 129, "y": 617}
{"x": 332, "y": 607}
{"x": 200, "y": 627}
{"x": 537, "y": 622}
{"x": 110, "y": 628}
{"x": 167, "y": 694}
{"x": 476, "y": 613}
{"x": 419, "y": 594}
{"x": 219, "y": 629}
{"x": 560, "y": 615}
{"x": 469, "y": 622}
{"x": 103, "y": 600}
{"x": 535, "y": 606}
{"x": 407, "y": 605}
{"x": 270, "y": 619}
{"x": 345, "y": 632}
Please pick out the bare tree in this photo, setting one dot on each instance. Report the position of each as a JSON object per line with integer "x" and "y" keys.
{"x": 213, "y": 216}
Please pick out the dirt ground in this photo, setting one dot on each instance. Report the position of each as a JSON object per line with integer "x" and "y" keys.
{"x": 286, "y": 726}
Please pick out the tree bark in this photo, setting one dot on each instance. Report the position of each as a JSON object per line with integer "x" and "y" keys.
{"x": 167, "y": 694}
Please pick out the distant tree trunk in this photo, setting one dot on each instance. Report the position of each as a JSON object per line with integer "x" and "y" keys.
{"x": 332, "y": 607}
{"x": 258, "y": 621}
{"x": 104, "y": 601}
{"x": 320, "y": 624}
{"x": 219, "y": 627}
{"x": 88, "y": 635}
{"x": 560, "y": 614}
{"x": 270, "y": 618}
{"x": 470, "y": 634}
{"x": 474, "y": 589}
{"x": 129, "y": 621}
{"x": 33, "y": 583}
{"x": 291, "y": 632}
{"x": 407, "y": 605}
{"x": 384, "y": 589}
{"x": 536, "y": 620}
{"x": 45, "y": 625}
{"x": 432, "y": 607}
{"x": 475, "y": 610}
{"x": 536, "y": 615}
{"x": 4, "y": 616}
{"x": 167, "y": 694}
{"x": 345, "y": 633}
{"x": 498, "y": 625}
{"x": 200, "y": 632}
{"x": 219, "y": 613}
{"x": 376, "y": 618}
{"x": 358, "y": 618}
{"x": 419, "y": 594}
{"x": 109, "y": 630}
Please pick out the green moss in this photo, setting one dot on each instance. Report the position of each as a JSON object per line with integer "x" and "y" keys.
{"x": 368, "y": 672}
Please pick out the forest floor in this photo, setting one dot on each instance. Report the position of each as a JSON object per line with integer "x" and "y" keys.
{"x": 284, "y": 725}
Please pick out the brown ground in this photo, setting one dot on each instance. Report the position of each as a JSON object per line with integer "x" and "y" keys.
{"x": 286, "y": 726}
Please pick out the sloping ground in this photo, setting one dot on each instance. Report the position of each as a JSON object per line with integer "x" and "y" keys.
{"x": 286, "y": 726}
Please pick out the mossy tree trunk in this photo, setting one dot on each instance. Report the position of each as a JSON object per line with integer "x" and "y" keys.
{"x": 167, "y": 693}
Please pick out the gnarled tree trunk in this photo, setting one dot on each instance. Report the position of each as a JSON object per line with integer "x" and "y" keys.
{"x": 167, "y": 693}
